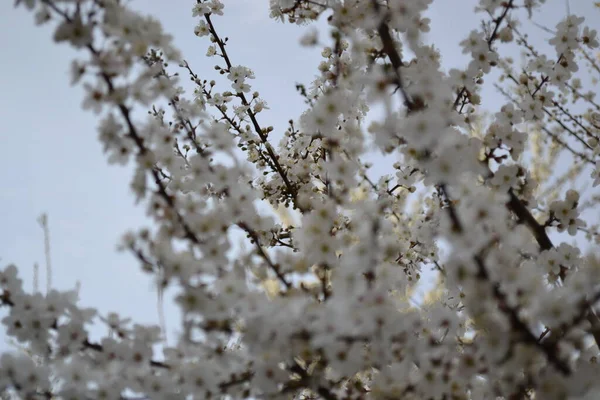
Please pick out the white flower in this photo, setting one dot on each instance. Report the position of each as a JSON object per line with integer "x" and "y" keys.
{"x": 219, "y": 136}
{"x": 77, "y": 71}
{"x": 140, "y": 354}
{"x": 532, "y": 109}
{"x": 490, "y": 5}
{"x": 596, "y": 174}
{"x": 310, "y": 38}
{"x": 116, "y": 323}
{"x": 509, "y": 115}
{"x": 483, "y": 59}
{"x": 30, "y": 4}
{"x": 71, "y": 336}
{"x": 202, "y": 29}
{"x": 259, "y": 105}
{"x": 200, "y": 9}
{"x": 573, "y": 226}
{"x": 443, "y": 168}
{"x": 540, "y": 64}
{"x": 567, "y": 214}
{"x": 108, "y": 390}
{"x": 475, "y": 42}
{"x": 9, "y": 279}
{"x": 506, "y": 34}
{"x": 572, "y": 197}
{"x": 460, "y": 78}
{"x": 588, "y": 37}
{"x": 158, "y": 386}
{"x": 24, "y": 374}
{"x": 505, "y": 177}
{"x": 570, "y": 255}
{"x": 566, "y": 34}
{"x": 557, "y": 307}
{"x": 95, "y": 98}
{"x": 563, "y": 210}
{"x": 113, "y": 351}
{"x": 216, "y": 7}
{"x": 74, "y": 31}
{"x": 43, "y": 15}
{"x": 551, "y": 260}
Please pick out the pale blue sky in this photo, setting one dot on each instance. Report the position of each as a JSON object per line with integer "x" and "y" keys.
{"x": 51, "y": 160}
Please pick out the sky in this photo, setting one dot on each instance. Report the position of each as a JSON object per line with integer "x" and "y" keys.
{"x": 52, "y": 162}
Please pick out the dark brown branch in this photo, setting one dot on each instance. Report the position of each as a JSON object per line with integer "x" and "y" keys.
{"x": 389, "y": 48}
{"x": 490, "y": 41}
{"x": 539, "y": 231}
{"x": 292, "y": 190}
{"x": 512, "y": 313}
{"x": 274, "y": 267}
{"x": 549, "y": 349}
{"x": 498, "y": 22}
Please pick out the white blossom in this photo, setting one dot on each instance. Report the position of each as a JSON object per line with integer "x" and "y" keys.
{"x": 411, "y": 249}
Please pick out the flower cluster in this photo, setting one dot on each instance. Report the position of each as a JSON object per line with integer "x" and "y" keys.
{"x": 435, "y": 279}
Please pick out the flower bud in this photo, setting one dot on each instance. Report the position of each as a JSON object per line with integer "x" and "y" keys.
{"x": 572, "y": 196}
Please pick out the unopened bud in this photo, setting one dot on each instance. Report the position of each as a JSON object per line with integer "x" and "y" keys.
{"x": 572, "y": 196}
{"x": 506, "y": 35}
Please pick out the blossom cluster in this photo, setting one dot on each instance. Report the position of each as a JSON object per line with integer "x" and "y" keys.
{"x": 321, "y": 302}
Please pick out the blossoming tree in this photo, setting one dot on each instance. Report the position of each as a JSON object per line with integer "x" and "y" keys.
{"x": 319, "y": 305}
